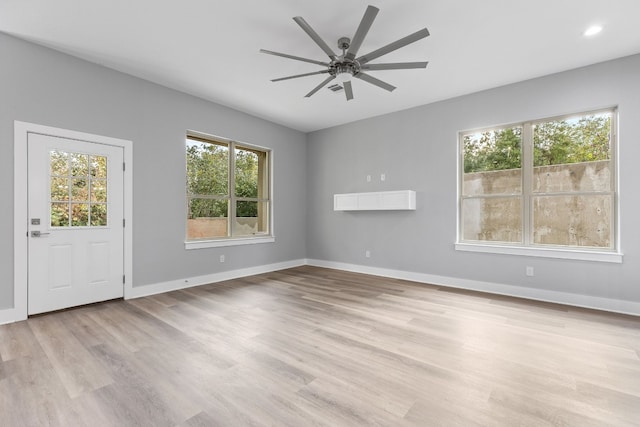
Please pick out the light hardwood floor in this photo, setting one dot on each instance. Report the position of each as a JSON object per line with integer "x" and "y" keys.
{"x": 317, "y": 347}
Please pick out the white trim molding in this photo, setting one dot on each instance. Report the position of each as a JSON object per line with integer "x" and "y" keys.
{"x": 20, "y": 210}
{"x": 574, "y": 254}
{"x": 174, "y": 285}
{"x": 233, "y": 241}
{"x": 8, "y": 315}
{"x": 576, "y": 300}
{"x": 13, "y": 315}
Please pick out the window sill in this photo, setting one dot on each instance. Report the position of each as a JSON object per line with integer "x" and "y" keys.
{"x": 580, "y": 255}
{"x": 238, "y": 241}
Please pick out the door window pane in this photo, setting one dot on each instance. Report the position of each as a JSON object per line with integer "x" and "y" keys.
{"x": 79, "y": 164}
{"x": 59, "y": 189}
{"x": 59, "y": 162}
{"x": 59, "y": 214}
{"x": 79, "y": 215}
{"x": 98, "y": 166}
{"x": 99, "y": 190}
{"x": 98, "y": 215}
{"x": 79, "y": 190}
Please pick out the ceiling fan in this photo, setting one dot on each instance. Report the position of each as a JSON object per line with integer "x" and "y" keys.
{"x": 347, "y": 65}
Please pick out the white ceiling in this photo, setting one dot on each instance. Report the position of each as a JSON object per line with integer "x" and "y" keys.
{"x": 210, "y": 48}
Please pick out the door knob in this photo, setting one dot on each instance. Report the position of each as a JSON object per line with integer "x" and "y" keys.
{"x": 37, "y": 233}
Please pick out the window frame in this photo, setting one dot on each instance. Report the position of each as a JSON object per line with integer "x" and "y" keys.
{"x": 232, "y": 199}
{"x": 527, "y": 247}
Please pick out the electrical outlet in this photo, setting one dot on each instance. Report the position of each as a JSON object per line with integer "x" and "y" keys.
{"x": 382, "y": 177}
{"x": 529, "y": 271}
{"x": 368, "y": 178}
{"x": 367, "y": 253}
{"x": 222, "y": 258}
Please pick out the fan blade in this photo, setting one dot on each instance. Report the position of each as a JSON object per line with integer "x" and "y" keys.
{"x": 395, "y": 66}
{"x": 316, "y": 38}
{"x": 361, "y": 32}
{"x": 300, "y": 75}
{"x": 297, "y": 58}
{"x": 420, "y": 34}
{"x": 369, "y": 79}
{"x": 320, "y": 86}
{"x": 348, "y": 90}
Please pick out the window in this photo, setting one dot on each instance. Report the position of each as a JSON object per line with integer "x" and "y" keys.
{"x": 228, "y": 191}
{"x": 78, "y": 190}
{"x": 546, "y": 184}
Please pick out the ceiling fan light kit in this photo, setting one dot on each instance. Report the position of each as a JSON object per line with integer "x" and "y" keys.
{"x": 344, "y": 67}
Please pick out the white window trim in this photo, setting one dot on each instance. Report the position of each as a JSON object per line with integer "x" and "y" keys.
{"x": 581, "y": 254}
{"x": 573, "y": 254}
{"x": 241, "y": 240}
{"x": 229, "y": 241}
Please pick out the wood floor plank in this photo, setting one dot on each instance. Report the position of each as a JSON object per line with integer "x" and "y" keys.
{"x": 17, "y": 340}
{"x": 77, "y": 369}
{"x": 85, "y": 329}
{"x": 310, "y": 346}
{"x": 132, "y": 399}
{"x": 202, "y": 419}
{"x": 33, "y": 395}
{"x": 117, "y": 322}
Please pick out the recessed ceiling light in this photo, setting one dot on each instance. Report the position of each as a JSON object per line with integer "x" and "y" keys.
{"x": 593, "y": 30}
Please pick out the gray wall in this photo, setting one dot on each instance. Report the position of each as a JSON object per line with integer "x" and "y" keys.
{"x": 46, "y": 87}
{"x": 417, "y": 150}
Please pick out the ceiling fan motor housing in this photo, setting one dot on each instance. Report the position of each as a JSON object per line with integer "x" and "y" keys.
{"x": 344, "y": 66}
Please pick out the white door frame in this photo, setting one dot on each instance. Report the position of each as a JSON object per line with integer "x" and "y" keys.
{"x": 21, "y": 213}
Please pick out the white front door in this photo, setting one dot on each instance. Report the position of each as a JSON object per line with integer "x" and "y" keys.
{"x": 76, "y": 228}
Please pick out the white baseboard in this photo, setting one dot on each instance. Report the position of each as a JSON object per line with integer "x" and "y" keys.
{"x": 8, "y": 315}
{"x": 174, "y": 285}
{"x": 577, "y": 300}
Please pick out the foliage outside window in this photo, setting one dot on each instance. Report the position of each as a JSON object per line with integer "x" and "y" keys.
{"x": 547, "y": 183}
{"x": 227, "y": 189}
{"x": 78, "y": 189}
